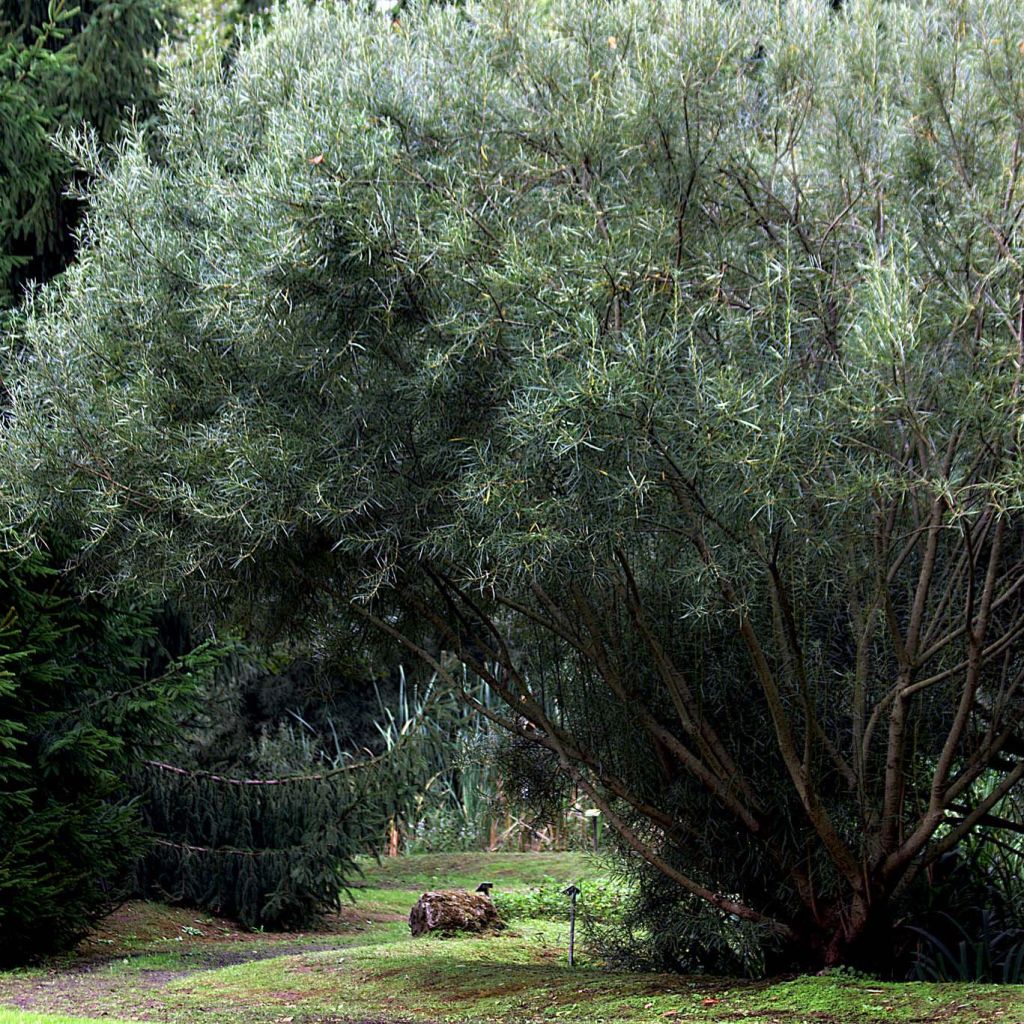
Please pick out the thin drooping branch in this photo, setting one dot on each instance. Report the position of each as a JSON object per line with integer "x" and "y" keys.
{"x": 906, "y": 647}
{"x": 813, "y": 729}
{"x": 993, "y": 821}
{"x": 976, "y": 633}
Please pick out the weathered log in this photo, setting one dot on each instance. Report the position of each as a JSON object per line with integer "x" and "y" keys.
{"x": 453, "y": 910}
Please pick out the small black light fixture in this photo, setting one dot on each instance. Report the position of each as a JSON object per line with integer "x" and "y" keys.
{"x": 572, "y": 892}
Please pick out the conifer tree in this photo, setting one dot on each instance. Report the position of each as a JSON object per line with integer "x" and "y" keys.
{"x": 274, "y": 852}
{"x": 264, "y": 827}
{"x": 84, "y": 694}
{"x": 63, "y": 68}
{"x": 83, "y": 686}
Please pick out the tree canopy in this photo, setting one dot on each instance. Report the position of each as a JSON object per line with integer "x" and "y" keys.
{"x": 661, "y": 360}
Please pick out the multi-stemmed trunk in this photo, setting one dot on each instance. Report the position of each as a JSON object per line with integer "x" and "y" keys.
{"x": 931, "y": 633}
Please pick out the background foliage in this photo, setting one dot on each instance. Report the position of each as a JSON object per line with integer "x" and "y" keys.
{"x": 280, "y": 779}
{"x": 258, "y": 814}
{"x": 64, "y": 68}
{"x": 89, "y": 685}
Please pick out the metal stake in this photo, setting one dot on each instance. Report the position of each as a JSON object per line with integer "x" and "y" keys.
{"x": 572, "y": 892}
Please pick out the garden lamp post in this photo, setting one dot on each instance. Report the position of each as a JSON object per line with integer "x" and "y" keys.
{"x": 572, "y": 892}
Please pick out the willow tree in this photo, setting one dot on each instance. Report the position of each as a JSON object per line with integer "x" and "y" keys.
{"x": 661, "y": 361}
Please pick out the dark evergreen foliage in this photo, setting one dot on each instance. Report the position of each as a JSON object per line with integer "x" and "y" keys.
{"x": 63, "y": 69}
{"x": 270, "y": 853}
{"x": 84, "y": 693}
{"x": 249, "y": 705}
{"x": 281, "y": 779}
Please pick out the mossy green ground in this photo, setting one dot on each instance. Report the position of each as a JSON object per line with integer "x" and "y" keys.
{"x": 151, "y": 963}
{"x": 24, "y": 1017}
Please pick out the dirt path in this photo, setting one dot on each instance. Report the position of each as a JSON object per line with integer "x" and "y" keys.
{"x": 97, "y": 986}
{"x": 124, "y": 966}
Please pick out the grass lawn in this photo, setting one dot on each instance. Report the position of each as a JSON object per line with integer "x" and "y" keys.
{"x": 155, "y": 963}
{"x": 26, "y": 1017}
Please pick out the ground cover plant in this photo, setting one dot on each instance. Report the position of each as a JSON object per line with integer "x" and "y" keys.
{"x": 154, "y": 963}
{"x": 659, "y": 362}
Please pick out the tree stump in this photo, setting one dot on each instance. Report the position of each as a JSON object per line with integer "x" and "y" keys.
{"x": 453, "y": 910}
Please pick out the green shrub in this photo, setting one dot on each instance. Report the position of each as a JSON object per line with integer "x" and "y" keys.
{"x": 988, "y": 953}
{"x": 602, "y": 900}
{"x": 965, "y": 919}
